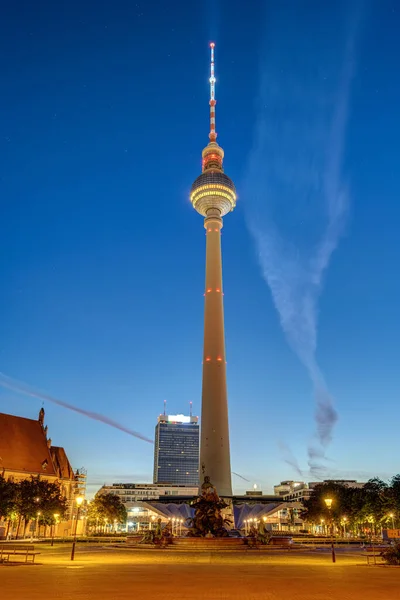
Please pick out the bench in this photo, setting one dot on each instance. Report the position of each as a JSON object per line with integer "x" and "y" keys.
{"x": 372, "y": 553}
{"x": 7, "y": 550}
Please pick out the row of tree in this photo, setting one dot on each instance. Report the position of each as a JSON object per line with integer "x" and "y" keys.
{"x": 31, "y": 499}
{"x": 41, "y": 501}
{"x": 373, "y": 507}
{"x": 105, "y": 511}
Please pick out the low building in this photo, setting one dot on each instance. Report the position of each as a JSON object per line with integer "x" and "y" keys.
{"x": 254, "y": 492}
{"x": 293, "y": 491}
{"x": 299, "y": 491}
{"x": 276, "y": 516}
{"x": 137, "y": 499}
{"x": 132, "y": 492}
{"x": 27, "y": 452}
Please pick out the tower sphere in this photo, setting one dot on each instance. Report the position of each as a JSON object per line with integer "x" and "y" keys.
{"x": 213, "y": 190}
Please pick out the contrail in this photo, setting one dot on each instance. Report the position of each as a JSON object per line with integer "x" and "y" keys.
{"x": 295, "y": 187}
{"x": 241, "y": 476}
{"x": 23, "y": 388}
{"x": 289, "y": 457}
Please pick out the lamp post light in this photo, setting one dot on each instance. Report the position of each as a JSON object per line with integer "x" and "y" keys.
{"x": 37, "y": 524}
{"x": 78, "y": 500}
{"x": 56, "y": 515}
{"x": 391, "y": 515}
{"x": 329, "y": 502}
{"x": 344, "y": 526}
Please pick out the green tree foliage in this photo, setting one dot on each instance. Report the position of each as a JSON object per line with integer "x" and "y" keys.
{"x": 367, "y": 507}
{"x": 8, "y": 496}
{"x": 30, "y": 499}
{"x": 37, "y": 495}
{"x": 395, "y": 495}
{"x": 106, "y": 508}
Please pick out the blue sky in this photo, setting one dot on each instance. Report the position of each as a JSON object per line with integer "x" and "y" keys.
{"x": 105, "y": 109}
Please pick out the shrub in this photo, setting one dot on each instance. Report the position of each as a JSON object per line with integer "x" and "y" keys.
{"x": 392, "y": 554}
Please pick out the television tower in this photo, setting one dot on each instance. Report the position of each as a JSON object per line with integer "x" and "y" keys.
{"x": 213, "y": 195}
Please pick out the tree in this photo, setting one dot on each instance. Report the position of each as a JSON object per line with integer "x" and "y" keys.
{"x": 315, "y": 509}
{"x": 106, "y": 508}
{"x": 365, "y": 509}
{"x": 394, "y": 497}
{"x": 375, "y": 503}
{"x": 39, "y": 498}
{"x": 8, "y": 494}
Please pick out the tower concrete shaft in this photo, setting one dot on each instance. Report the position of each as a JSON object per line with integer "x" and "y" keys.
{"x": 214, "y": 446}
{"x": 213, "y": 195}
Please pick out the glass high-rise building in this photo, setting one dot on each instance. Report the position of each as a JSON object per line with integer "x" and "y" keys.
{"x": 176, "y": 450}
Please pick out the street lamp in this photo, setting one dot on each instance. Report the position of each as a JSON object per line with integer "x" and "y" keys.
{"x": 37, "y": 524}
{"x": 329, "y": 502}
{"x": 78, "y": 500}
{"x": 391, "y": 515}
{"x": 344, "y": 526}
{"x": 56, "y": 515}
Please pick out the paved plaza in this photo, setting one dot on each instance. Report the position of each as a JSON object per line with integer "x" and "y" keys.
{"x": 170, "y": 575}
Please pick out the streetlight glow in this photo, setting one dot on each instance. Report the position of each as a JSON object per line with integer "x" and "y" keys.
{"x": 329, "y": 502}
{"x": 79, "y": 500}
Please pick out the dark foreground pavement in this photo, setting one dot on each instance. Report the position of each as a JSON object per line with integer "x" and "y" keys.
{"x": 120, "y": 575}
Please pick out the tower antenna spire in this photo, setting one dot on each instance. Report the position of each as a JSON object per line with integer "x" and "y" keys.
{"x": 165, "y": 407}
{"x": 191, "y": 408}
{"x": 213, "y": 134}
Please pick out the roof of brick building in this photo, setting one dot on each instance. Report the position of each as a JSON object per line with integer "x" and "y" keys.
{"x": 24, "y": 447}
